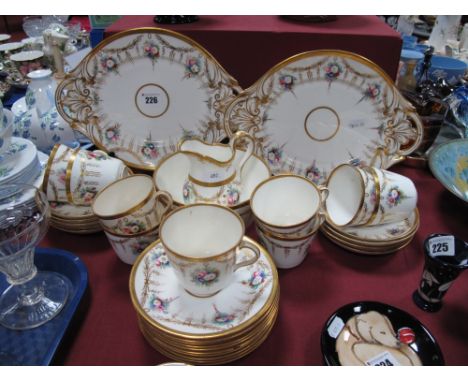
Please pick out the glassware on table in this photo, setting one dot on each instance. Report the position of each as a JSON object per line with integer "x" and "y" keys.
{"x": 33, "y": 26}
{"x": 446, "y": 256}
{"x": 33, "y": 297}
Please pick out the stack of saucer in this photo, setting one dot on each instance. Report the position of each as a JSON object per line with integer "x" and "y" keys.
{"x": 374, "y": 240}
{"x": 22, "y": 163}
{"x": 74, "y": 219}
{"x": 204, "y": 331}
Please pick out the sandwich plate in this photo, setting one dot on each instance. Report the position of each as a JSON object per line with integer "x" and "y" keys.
{"x": 370, "y": 333}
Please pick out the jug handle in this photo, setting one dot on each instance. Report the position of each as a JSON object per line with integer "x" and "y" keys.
{"x": 248, "y": 153}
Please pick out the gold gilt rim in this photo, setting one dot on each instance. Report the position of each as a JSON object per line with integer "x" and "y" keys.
{"x": 45, "y": 179}
{"x": 285, "y": 237}
{"x": 132, "y": 209}
{"x": 216, "y": 257}
{"x": 369, "y": 250}
{"x": 205, "y": 157}
{"x": 68, "y": 173}
{"x": 309, "y": 54}
{"x": 219, "y": 345}
{"x": 225, "y": 333}
{"x": 232, "y": 83}
{"x": 363, "y": 188}
{"x": 375, "y": 176}
{"x": 347, "y": 236}
{"x": 208, "y": 351}
{"x": 279, "y": 176}
{"x": 178, "y": 204}
{"x": 132, "y": 236}
{"x": 364, "y": 244}
{"x": 212, "y": 184}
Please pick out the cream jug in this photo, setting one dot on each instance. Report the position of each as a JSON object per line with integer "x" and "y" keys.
{"x": 215, "y": 170}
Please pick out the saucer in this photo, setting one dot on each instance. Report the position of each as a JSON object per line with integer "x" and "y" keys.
{"x": 349, "y": 338}
{"x": 382, "y": 233}
{"x": 20, "y": 162}
{"x": 161, "y": 301}
{"x": 70, "y": 211}
{"x": 172, "y": 173}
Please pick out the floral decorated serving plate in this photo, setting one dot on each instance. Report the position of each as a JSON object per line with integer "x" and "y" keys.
{"x": 173, "y": 171}
{"x": 374, "y": 334}
{"x": 449, "y": 164}
{"x": 140, "y": 91}
{"x": 322, "y": 108}
{"x": 160, "y": 300}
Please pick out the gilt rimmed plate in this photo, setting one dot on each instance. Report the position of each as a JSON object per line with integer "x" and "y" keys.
{"x": 352, "y": 336}
{"x": 140, "y": 91}
{"x": 322, "y": 108}
{"x": 162, "y": 302}
{"x": 70, "y": 211}
{"x": 381, "y": 233}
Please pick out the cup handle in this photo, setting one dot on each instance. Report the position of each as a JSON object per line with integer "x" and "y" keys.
{"x": 324, "y": 192}
{"x": 103, "y": 153}
{"x": 248, "y": 153}
{"x": 320, "y": 219}
{"x": 244, "y": 263}
{"x": 168, "y": 205}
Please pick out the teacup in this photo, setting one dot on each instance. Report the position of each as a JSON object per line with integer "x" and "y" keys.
{"x": 288, "y": 205}
{"x": 131, "y": 206}
{"x": 204, "y": 243}
{"x": 288, "y": 251}
{"x": 368, "y": 196}
{"x": 54, "y": 183}
{"x": 89, "y": 173}
{"x": 28, "y": 61}
{"x": 128, "y": 248}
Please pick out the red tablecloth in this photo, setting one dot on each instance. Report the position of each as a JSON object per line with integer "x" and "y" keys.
{"x": 328, "y": 278}
{"x": 247, "y": 46}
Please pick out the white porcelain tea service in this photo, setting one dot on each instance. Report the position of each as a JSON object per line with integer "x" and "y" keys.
{"x": 215, "y": 173}
{"x": 288, "y": 211}
{"x": 130, "y": 210}
{"x": 6, "y": 128}
{"x": 173, "y": 171}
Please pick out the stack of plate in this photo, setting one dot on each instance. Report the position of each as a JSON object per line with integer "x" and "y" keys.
{"x": 204, "y": 331}
{"x": 74, "y": 219}
{"x": 374, "y": 240}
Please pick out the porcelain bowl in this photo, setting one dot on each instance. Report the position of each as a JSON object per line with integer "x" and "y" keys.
{"x": 449, "y": 164}
{"x": 449, "y": 68}
{"x": 172, "y": 172}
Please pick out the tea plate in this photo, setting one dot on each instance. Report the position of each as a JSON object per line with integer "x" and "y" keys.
{"x": 70, "y": 211}
{"x": 449, "y": 164}
{"x": 158, "y": 297}
{"x": 322, "y": 102}
{"x": 372, "y": 333}
{"x": 140, "y": 91}
{"x": 173, "y": 171}
{"x": 380, "y": 233}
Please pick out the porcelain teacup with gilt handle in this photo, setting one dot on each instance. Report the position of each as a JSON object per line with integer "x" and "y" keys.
{"x": 205, "y": 245}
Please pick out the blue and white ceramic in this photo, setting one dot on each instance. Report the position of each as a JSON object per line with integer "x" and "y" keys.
{"x": 44, "y": 131}
{"x": 6, "y": 129}
{"x": 36, "y": 117}
{"x": 451, "y": 69}
{"x": 408, "y": 55}
{"x": 449, "y": 164}
{"x": 20, "y": 163}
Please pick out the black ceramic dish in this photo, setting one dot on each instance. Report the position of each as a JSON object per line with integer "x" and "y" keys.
{"x": 424, "y": 343}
